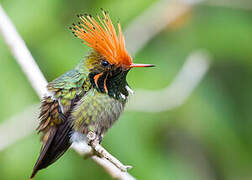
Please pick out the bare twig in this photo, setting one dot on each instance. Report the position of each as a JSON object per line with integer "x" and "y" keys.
{"x": 105, "y": 154}
{"x": 83, "y": 149}
{"x": 112, "y": 170}
{"x": 36, "y": 78}
{"x": 22, "y": 54}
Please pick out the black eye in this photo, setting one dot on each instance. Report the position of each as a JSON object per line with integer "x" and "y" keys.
{"x": 104, "y": 63}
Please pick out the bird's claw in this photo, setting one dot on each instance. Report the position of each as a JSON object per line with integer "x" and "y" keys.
{"x": 91, "y": 136}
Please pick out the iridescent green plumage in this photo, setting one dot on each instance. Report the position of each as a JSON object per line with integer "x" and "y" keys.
{"x": 79, "y": 104}
{"x": 89, "y": 98}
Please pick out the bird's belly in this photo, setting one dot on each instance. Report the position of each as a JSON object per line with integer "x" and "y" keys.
{"x": 96, "y": 112}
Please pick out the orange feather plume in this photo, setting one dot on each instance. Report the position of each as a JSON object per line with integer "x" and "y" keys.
{"x": 101, "y": 36}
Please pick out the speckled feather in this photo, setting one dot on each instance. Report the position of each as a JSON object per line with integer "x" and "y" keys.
{"x": 95, "y": 112}
{"x": 65, "y": 90}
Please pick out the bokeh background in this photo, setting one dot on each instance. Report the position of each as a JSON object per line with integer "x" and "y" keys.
{"x": 208, "y": 137}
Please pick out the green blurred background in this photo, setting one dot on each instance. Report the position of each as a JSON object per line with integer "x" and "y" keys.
{"x": 209, "y": 137}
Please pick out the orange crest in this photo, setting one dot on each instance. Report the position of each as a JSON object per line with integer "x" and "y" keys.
{"x": 102, "y": 37}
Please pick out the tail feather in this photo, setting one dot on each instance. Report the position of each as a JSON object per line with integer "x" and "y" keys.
{"x": 55, "y": 147}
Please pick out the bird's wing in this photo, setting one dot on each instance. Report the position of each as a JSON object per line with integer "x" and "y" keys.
{"x": 65, "y": 91}
{"x": 69, "y": 86}
{"x": 54, "y": 112}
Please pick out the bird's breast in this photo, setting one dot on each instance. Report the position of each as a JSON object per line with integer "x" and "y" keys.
{"x": 96, "y": 112}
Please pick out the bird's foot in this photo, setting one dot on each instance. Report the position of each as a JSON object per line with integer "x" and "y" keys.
{"x": 91, "y": 137}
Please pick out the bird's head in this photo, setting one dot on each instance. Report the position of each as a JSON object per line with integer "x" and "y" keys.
{"x": 109, "y": 62}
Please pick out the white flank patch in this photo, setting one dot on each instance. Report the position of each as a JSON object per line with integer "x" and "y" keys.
{"x": 82, "y": 147}
{"x": 79, "y": 143}
{"x": 129, "y": 90}
{"x": 77, "y": 137}
{"x": 123, "y": 96}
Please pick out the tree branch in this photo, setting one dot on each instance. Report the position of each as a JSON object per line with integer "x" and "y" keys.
{"x": 22, "y": 54}
{"x": 84, "y": 150}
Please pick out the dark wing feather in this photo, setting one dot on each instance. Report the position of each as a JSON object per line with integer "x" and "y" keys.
{"x": 55, "y": 134}
{"x": 40, "y": 162}
{"x": 54, "y": 124}
{"x": 54, "y": 147}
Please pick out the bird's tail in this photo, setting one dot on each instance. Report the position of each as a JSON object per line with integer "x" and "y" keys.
{"x": 56, "y": 145}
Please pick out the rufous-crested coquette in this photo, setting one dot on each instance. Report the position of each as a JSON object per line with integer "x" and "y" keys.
{"x": 89, "y": 98}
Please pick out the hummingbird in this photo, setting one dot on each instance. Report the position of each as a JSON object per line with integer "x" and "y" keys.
{"x": 90, "y": 97}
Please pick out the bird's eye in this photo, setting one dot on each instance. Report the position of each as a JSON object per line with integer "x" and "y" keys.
{"x": 104, "y": 63}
